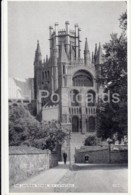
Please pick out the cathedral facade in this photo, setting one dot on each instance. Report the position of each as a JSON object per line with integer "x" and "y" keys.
{"x": 65, "y": 83}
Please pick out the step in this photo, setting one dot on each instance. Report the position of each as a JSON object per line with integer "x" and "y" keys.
{"x": 78, "y": 166}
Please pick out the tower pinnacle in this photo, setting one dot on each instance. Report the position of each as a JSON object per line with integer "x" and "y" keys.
{"x": 86, "y": 45}
{"x": 86, "y": 52}
{"x": 38, "y": 56}
{"x": 99, "y": 59}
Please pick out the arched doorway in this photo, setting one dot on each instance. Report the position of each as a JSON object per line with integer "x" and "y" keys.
{"x": 75, "y": 124}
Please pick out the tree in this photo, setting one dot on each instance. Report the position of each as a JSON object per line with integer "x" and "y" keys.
{"x": 51, "y": 136}
{"x": 25, "y": 129}
{"x": 22, "y": 125}
{"x": 113, "y": 117}
{"x": 90, "y": 141}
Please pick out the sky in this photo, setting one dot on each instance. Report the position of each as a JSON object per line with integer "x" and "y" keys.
{"x": 30, "y": 21}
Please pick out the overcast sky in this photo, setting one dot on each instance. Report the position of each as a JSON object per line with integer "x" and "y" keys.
{"x": 30, "y": 21}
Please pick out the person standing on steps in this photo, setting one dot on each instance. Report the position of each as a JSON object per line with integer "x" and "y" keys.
{"x": 65, "y": 157}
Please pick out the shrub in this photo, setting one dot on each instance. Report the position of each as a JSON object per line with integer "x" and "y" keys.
{"x": 24, "y": 129}
{"x": 90, "y": 141}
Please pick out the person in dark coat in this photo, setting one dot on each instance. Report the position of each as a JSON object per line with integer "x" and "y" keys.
{"x": 65, "y": 157}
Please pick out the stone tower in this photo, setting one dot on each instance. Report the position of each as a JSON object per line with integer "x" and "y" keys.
{"x": 69, "y": 79}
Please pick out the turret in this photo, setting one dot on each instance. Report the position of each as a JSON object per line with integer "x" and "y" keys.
{"x": 77, "y": 41}
{"x": 79, "y": 46}
{"x": 50, "y": 38}
{"x": 38, "y": 56}
{"x": 86, "y": 53}
{"x": 67, "y": 37}
{"x": 56, "y": 39}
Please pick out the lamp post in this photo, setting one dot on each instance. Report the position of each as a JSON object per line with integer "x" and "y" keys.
{"x": 68, "y": 125}
{"x": 70, "y": 165}
{"x": 109, "y": 148}
{"x": 67, "y": 128}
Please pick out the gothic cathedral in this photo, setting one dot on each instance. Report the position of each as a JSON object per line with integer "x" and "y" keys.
{"x": 63, "y": 80}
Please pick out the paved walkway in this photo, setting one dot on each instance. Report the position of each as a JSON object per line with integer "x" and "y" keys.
{"x": 43, "y": 181}
{"x": 97, "y": 180}
{"x": 60, "y": 179}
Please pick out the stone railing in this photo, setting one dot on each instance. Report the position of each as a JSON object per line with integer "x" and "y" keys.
{"x": 91, "y": 110}
{"x": 76, "y": 110}
{"x": 79, "y": 62}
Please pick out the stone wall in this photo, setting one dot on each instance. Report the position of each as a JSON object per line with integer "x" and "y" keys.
{"x": 26, "y": 161}
{"x": 50, "y": 113}
{"x": 98, "y": 156}
{"x": 119, "y": 156}
{"x": 101, "y": 155}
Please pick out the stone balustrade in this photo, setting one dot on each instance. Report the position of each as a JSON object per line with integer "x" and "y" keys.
{"x": 76, "y": 110}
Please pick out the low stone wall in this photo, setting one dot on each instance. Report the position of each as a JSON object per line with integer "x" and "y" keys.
{"x": 119, "y": 156}
{"x": 26, "y": 161}
{"x": 100, "y": 155}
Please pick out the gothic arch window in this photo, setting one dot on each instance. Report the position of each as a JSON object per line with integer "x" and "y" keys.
{"x": 91, "y": 124}
{"x": 45, "y": 75}
{"x": 63, "y": 69}
{"x": 91, "y": 98}
{"x": 48, "y": 75}
{"x": 75, "y": 124}
{"x": 82, "y": 78}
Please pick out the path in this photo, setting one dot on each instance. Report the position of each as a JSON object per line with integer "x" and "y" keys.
{"x": 42, "y": 182}
{"x": 97, "y": 180}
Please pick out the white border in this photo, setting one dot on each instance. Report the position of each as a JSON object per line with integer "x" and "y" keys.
{"x": 4, "y": 100}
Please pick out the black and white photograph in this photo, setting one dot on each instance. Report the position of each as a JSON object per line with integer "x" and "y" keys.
{"x": 67, "y": 129}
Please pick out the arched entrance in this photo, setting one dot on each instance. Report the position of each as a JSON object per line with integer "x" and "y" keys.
{"x": 75, "y": 124}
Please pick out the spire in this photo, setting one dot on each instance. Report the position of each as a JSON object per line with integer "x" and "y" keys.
{"x": 96, "y": 49}
{"x": 86, "y": 52}
{"x": 38, "y": 56}
{"x": 86, "y": 45}
{"x": 92, "y": 57}
{"x": 99, "y": 58}
{"x": 46, "y": 58}
{"x": 63, "y": 54}
{"x": 95, "y": 53}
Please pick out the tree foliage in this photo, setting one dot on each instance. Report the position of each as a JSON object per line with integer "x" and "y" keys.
{"x": 25, "y": 129}
{"x": 90, "y": 141}
{"x": 112, "y": 117}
